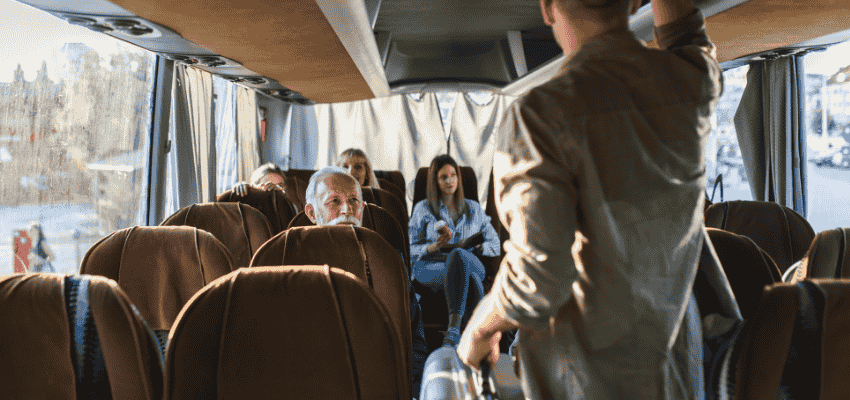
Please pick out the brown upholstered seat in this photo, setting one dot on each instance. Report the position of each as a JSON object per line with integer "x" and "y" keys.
{"x": 778, "y": 230}
{"x": 272, "y": 203}
{"x": 296, "y": 192}
{"x": 389, "y": 202}
{"x": 159, "y": 267}
{"x": 748, "y": 267}
{"x": 359, "y": 251}
{"x": 808, "y": 345}
{"x": 40, "y": 317}
{"x": 286, "y": 333}
{"x": 470, "y": 184}
{"x": 394, "y": 177}
{"x": 378, "y": 220}
{"x": 395, "y": 190}
{"x": 827, "y": 256}
{"x": 242, "y": 229}
{"x": 493, "y": 263}
{"x": 301, "y": 174}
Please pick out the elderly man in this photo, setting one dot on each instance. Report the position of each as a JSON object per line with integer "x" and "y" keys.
{"x": 335, "y": 198}
{"x": 600, "y": 179}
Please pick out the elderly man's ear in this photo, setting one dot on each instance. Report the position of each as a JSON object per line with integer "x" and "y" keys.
{"x": 311, "y": 212}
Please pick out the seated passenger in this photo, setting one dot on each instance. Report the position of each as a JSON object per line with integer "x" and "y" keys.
{"x": 459, "y": 273}
{"x": 358, "y": 165}
{"x": 267, "y": 177}
{"x": 334, "y": 198}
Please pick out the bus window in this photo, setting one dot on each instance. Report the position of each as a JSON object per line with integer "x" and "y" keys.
{"x": 723, "y": 156}
{"x": 827, "y": 86}
{"x": 75, "y": 110}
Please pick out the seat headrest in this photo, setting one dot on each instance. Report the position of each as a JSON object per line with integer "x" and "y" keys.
{"x": 394, "y": 177}
{"x": 272, "y": 203}
{"x": 286, "y": 332}
{"x": 377, "y": 219}
{"x": 827, "y": 256}
{"x": 748, "y": 268}
{"x": 242, "y": 229}
{"x": 159, "y": 267}
{"x": 296, "y": 192}
{"x": 40, "y": 354}
{"x": 778, "y": 230}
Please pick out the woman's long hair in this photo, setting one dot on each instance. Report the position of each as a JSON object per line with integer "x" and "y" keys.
{"x": 433, "y": 190}
{"x": 348, "y": 154}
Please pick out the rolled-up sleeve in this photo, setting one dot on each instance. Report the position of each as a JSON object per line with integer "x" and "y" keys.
{"x": 536, "y": 199}
{"x": 416, "y": 230}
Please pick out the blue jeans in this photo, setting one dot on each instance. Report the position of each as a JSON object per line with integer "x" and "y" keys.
{"x": 459, "y": 278}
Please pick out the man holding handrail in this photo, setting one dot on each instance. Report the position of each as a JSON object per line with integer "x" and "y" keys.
{"x": 600, "y": 179}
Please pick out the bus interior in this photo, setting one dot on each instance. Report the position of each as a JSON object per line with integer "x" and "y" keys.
{"x": 118, "y": 115}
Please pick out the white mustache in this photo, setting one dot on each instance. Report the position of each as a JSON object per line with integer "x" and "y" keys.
{"x": 345, "y": 219}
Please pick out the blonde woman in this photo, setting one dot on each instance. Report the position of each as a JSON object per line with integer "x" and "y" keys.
{"x": 358, "y": 165}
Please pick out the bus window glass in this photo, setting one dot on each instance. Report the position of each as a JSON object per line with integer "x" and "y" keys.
{"x": 723, "y": 159}
{"x": 75, "y": 110}
{"x": 827, "y": 124}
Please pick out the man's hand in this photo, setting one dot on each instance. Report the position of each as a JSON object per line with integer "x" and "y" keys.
{"x": 268, "y": 186}
{"x": 240, "y": 188}
{"x": 482, "y": 334}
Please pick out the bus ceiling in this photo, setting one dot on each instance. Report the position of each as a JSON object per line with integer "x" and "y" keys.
{"x": 329, "y": 51}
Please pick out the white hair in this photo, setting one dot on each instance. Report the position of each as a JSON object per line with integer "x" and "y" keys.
{"x": 320, "y": 176}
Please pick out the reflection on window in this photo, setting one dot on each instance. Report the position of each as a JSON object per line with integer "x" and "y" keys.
{"x": 827, "y": 125}
{"x": 723, "y": 162}
{"x": 73, "y": 149}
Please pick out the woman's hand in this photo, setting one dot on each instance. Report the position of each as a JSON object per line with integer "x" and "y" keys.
{"x": 441, "y": 241}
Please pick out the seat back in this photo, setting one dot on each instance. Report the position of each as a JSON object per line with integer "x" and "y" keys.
{"x": 272, "y": 203}
{"x": 778, "y": 230}
{"x": 378, "y": 220}
{"x": 296, "y": 192}
{"x": 394, "y": 177}
{"x": 389, "y": 202}
{"x": 286, "y": 332}
{"x": 805, "y": 356}
{"x": 395, "y": 190}
{"x": 748, "y": 268}
{"x": 827, "y": 256}
{"x": 492, "y": 264}
{"x": 159, "y": 267}
{"x": 470, "y": 184}
{"x": 74, "y": 337}
{"x": 359, "y": 251}
{"x": 242, "y": 229}
{"x": 300, "y": 174}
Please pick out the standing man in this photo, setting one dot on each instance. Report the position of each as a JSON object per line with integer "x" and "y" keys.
{"x": 600, "y": 179}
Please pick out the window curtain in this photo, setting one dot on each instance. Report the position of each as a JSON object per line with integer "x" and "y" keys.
{"x": 225, "y": 134}
{"x": 191, "y": 176}
{"x": 473, "y": 134}
{"x": 769, "y": 124}
{"x": 397, "y": 133}
{"x": 247, "y": 129}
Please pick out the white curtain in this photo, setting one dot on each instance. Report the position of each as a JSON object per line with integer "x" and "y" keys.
{"x": 225, "y": 134}
{"x": 396, "y": 132}
{"x": 247, "y": 128}
{"x": 473, "y": 133}
{"x": 191, "y": 174}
